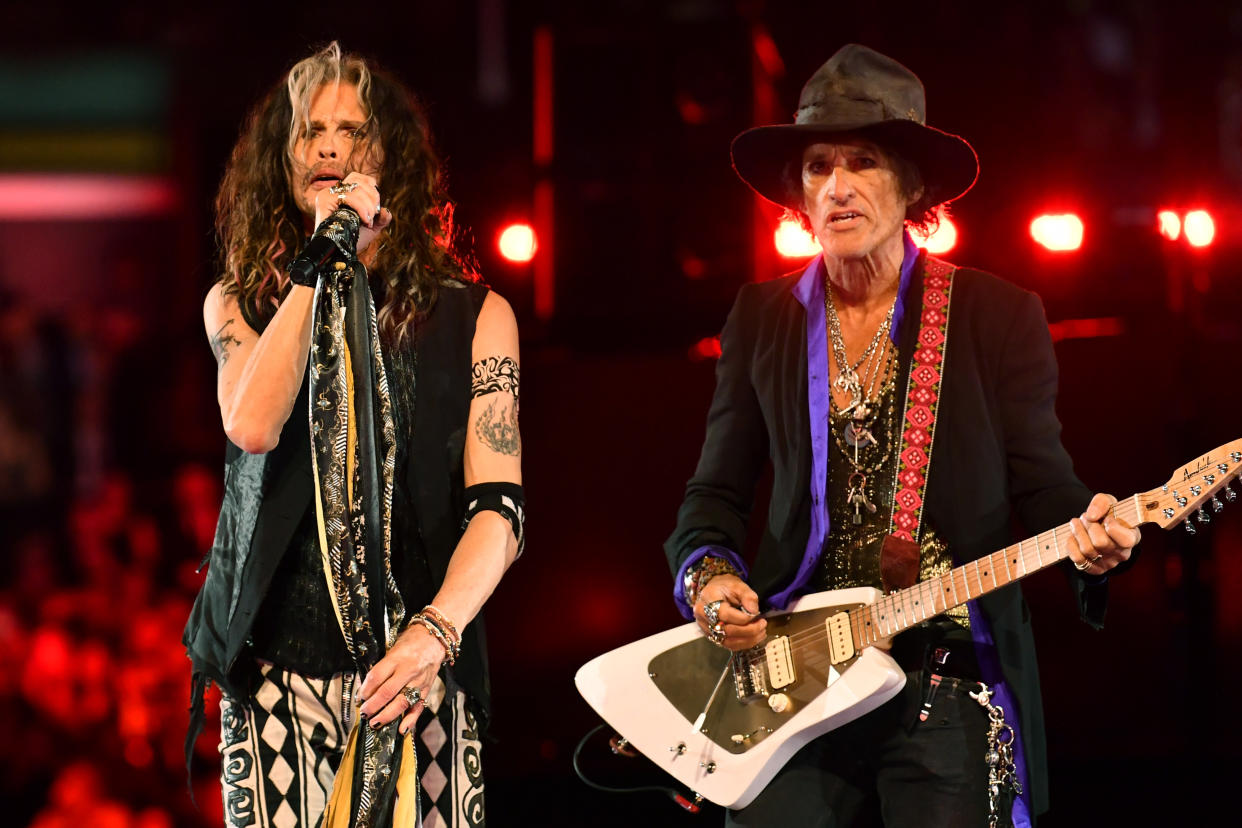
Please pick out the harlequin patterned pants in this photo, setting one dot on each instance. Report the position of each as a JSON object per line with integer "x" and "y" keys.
{"x": 281, "y": 747}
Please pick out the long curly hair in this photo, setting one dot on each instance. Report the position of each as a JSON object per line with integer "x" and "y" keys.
{"x": 260, "y": 227}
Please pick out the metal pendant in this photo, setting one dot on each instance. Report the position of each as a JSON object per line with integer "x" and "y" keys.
{"x": 858, "y": 436}
{"x": 848, "y": 382}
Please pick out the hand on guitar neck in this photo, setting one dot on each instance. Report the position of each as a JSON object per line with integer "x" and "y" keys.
{"x": 738, "y": 612}
{"x": 1100, "y": 541}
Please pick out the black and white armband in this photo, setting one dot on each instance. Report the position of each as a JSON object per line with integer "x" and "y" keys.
{"x": 505, "y": 498}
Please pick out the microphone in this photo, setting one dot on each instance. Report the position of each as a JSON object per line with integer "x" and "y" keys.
{"x": 304, "y": 269}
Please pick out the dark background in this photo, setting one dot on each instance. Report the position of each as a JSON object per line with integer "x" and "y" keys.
{"x": 110, "y": 447}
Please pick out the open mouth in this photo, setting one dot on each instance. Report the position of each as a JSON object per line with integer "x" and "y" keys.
{"x": 326, "y": 178}
{"x": 844, "y": 217}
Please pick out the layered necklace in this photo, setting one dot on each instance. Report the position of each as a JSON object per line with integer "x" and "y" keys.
{"x": 867, "y": 382}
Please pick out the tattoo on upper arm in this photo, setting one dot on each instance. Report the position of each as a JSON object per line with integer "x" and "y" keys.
{"x": 497, "y": 427}
{"x": 221, "y": 341}
{"x": 495, "y": 374}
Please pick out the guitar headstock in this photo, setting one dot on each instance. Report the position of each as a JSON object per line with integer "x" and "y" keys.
{"x": 1192, "y": 486}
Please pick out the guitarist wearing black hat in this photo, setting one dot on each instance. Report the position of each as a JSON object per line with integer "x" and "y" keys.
{"x": 907, "y": 407}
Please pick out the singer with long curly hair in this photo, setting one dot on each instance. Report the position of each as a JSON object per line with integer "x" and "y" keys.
{"x": 368, "y": 387}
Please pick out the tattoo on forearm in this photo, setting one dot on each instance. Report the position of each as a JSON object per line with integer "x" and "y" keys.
{"x": 497, "y": 427}
{"x": 222, "y": 341}
{"x": 495, "y": 374}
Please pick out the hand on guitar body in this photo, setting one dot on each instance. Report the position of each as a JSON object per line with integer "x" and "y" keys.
{"x": 1100, "y": 541}
{"x": 738, "y": 612}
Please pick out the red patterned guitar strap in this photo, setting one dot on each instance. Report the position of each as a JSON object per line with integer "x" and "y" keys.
{"x": 899, "y": 559}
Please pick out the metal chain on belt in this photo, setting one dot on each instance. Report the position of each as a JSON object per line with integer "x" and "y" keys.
{"x": 1002, "y": 774}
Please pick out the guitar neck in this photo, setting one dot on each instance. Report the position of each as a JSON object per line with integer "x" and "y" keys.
{"x": 905, "y": 608}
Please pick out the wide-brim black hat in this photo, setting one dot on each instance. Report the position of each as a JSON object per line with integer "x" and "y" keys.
{"x": 857, "y": 91}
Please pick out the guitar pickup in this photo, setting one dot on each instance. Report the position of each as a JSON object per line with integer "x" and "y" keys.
{"x": 781, "y": 672}
{"x": 840, "y": 641}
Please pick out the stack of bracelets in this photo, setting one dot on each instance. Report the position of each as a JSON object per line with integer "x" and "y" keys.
{"x": 437, "y": 624}
{"x": 700, "y": 573}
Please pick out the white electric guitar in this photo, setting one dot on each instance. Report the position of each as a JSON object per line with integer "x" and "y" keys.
{"x": 724, "y": 723}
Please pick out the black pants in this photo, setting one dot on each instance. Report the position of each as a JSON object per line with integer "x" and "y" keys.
{"x": 887, "y": 768}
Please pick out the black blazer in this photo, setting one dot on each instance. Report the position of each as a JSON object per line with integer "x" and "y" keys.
{"x": 997, "y": 454}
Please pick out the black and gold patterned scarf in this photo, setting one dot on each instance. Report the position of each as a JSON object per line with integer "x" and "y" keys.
{"x": 353, "y": 453}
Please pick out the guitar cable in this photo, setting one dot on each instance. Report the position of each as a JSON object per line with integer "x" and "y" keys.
{"x": 618, "y": 747}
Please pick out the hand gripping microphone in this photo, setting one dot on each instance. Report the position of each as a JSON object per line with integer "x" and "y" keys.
{"x": 338, "y": 233}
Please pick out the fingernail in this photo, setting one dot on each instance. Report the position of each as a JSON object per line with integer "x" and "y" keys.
{"x": 375, "y": 724}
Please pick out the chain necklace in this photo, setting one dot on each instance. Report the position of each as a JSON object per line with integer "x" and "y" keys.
{"x": 847, "y": 376}
{"x": 856, "y": 437}
{"x": 864, "y": 401}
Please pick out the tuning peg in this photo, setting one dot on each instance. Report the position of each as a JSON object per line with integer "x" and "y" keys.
{"x": 1190, "y": 527}
{"x": 1230, "y": 494}
{"x": 1203, "y": 516}
{"x": 1216, "y": 504}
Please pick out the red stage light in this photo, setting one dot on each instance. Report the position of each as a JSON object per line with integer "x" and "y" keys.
{"x": 517, "y": 243}
{"x": 1200, "y": 229}
{"x": 942, "y": 239}
{"x": 706, "y": 348}
{"x": 1170, "y": 224}
{"x": 1058, "y": 232}
{"x": 793, "y": 242}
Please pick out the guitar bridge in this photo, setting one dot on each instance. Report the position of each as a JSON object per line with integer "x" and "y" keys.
{"x": 748, "y": 682}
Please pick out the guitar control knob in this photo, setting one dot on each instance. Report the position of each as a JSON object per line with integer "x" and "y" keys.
{"x": 1190, "y": 527}
{"x": 779, "y": 702}
{"x": 1203, "y": 516}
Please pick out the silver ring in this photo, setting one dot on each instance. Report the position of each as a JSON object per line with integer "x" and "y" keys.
{"x": 1083, "y": 566}
{"x": 711, "y": 612}
{"x": 412, "y": 695}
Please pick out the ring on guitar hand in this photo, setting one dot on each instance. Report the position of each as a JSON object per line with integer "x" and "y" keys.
{"x": 1083, "y": 566}
{"x": 716, "y": 633}
{"x": 711, "y": 612}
